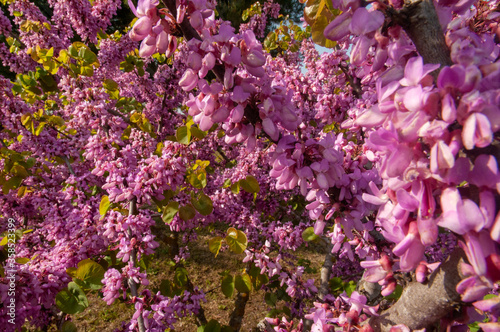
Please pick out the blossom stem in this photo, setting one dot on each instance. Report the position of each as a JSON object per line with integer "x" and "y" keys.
{"x": 133, "y": 257}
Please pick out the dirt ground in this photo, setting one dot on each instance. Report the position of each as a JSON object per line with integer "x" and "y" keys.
{"x": 204, "y": 271}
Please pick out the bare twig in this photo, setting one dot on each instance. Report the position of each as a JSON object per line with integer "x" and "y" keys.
{"x": 326, "y": 271}
{"x": 133, "y": 257}
{"x": 66, "y": 160}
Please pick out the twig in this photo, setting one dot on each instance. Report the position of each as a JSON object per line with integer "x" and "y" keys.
{"x": 66, "y": 160}
{"x": 133, "y": 257}
{"x": 118, "y": 114}
{"x": 326, "y": 271}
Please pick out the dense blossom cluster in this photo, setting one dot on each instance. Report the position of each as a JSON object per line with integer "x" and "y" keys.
{"x": 387, "y": 156}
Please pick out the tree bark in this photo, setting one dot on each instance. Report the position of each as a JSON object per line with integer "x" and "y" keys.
{"x": 421, "y": 305}
{"x": 236, "y": 318}
{"x": 326, "y": 271}
{"x": 420, "y": 21}
{"x": 133, "y": 258}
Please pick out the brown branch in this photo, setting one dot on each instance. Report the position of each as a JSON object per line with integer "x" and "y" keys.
{"x": 326, "y": 271}
{"x": 133, "y": 258}
{"x": 420, "y": 21}
{"x": 118, "y": 114}
{"x": 421, "y": 305}
{"x": 236, "y": 318}
{"x": 357, "y": 91}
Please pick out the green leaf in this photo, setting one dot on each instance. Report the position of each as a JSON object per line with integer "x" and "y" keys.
{"x": 243, "y": 283}
{"x": 110, "y": 84}
{"x": 72, "y": 299}
{"x": 104, "y": 206}
{"x": 262, "y": 279}
{"x": 187, "y": 212}
{"x": 396, "y": 294}
{"x": 13, "y": 183}
{"x": 183, "y": 135}
{"x": 71, "y": 271}
{"x": 271, "y": 299}
{"x": 87, "y": 56}
{"x": 235, "y": 188}
{"x": 166, "y": 288}
{"x": 203, "y": 204}
{"x": 22, "y": 260}
{"x": 196, "y": 132}
{"x": 87, "y": 71}
{"x": 169, "y": 212}
{"x": 258, "y": 280}
{"x": 68, "y": 326}
{"x": 39, "y": 129}
{"x": 89, "y": 274}
{"x": 309, "y": 235}
{"x": 214, "y": 245}
{"x": 180, "y": 277}
{"x": 198, "y": 179}
{"x": 250, "y": 184}
{"x": 350, "y": 287}
{"x": 227, "y": 183}
{"x": 336, "y": 285}
{"x": 474, "y": 327}
{"x": 212, "y": 326}
{"x": 227, "y": 286}
{"x": 236, "y": 240}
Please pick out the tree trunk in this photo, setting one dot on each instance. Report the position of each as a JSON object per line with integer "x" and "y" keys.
{"x": 421, "y": 305}
{"x": 420, "y": 21}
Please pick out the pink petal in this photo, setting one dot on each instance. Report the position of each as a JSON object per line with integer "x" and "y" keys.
{"x": 189, "y": 80}
{"x": 339, "y": 27}
{"x": 360, "y": 50}
{"x": 448, "y": 110}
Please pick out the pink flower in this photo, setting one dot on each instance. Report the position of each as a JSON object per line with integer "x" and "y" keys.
{"x": 410, "y": 249}
{"x": 189, "y": 80}
{"x": 477, "y": 131}
{"x": 415, "y": 71}
{"x": 441, "y": 157}
{"x": 339, "y": 27}
{"x": 364, "y": 22}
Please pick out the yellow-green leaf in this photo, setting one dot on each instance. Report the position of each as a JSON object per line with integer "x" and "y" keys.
{"x": 183, "y": 135}
{"x": 104, "y": 206}
{"x": 243, "y": 283}
{"x": 169, "y": 212}
{"x": 22, "y": 260}
{"x": 214, "y": 245}
{"x": 187, "y": 212}
{"x": 250, "y": 184}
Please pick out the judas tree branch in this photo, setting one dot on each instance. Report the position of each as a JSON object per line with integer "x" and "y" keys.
{"x": 326, "y": 271}
{"x": 421, "y": 305}
{"x": 133, "y": 257}
{"x": 236, "y": 318}
{"x": 420, "y": 21}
